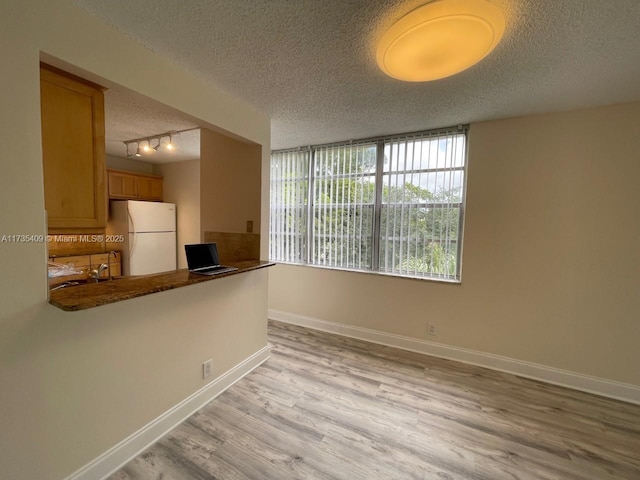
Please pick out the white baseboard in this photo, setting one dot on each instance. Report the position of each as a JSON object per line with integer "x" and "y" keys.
{"x": 577, "y": 381}
{"x": 114, "y": 458}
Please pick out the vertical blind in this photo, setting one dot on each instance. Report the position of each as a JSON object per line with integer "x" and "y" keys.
{"x": 393, "y": 205}
{"x": 288, "y": 206}
{"x": 343, "y": 202}
{"x": 420, "y": 220}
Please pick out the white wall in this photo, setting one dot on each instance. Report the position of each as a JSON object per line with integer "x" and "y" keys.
{"x": 551, "y": 265}
{"x": 230, "y": 176}
{"x": 181, "y": 185}
{"x": 74, "y": 384}
{"x": 129, "y": 165}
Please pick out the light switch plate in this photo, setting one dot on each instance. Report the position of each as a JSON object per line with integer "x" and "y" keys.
{"x": 207, "y": 368}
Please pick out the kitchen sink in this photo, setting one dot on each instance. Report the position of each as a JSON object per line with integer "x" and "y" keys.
{"x": 95, "y": 280}
{"x": 75, "y": 283}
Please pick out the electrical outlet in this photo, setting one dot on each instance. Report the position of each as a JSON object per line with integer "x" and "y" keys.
{"x": 207, "y": 368}
{"x": 431, "y": 329}
{"x": 249, "y": 226}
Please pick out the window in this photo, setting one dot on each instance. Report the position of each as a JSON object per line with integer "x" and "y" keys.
{"x": 343, "y": 206}
{"x": 288, "y": 219}
{"x": 393, "y": 205}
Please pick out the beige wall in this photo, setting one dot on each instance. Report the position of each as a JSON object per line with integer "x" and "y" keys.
{"x": 230, "y": 176}
{"x": 181, "y": 185}
{"x": 126, "y": 164}
{"x": 551, "y": 260}
{"x": 74, "y": 384}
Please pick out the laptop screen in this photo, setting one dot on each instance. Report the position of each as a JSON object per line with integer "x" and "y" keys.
{"x": 202, "y": 255}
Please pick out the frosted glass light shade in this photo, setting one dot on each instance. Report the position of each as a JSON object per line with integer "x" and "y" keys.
{"x": 440, "y": 39}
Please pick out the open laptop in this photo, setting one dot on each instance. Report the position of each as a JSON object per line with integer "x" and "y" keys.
{"x": 202, "y": 258}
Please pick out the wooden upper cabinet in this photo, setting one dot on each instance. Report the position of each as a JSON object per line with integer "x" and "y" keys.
{"x": 122, "y": 185}
{"x": 134, "y": 186}
{"x": 73, "y": 149}
{"x": 150, "y": 188}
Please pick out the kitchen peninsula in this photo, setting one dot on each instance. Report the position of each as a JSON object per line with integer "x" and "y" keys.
{"x": 82, "y": 297}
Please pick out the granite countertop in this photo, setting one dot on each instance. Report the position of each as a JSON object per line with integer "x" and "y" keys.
{"x": 82, "y": 297}
{"x": 97, "y": 251}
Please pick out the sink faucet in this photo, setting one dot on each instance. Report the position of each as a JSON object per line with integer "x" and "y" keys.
{"x": 95, "y": 274}
{"x": 102, "y": 268}
{"x": 112, "y": 252}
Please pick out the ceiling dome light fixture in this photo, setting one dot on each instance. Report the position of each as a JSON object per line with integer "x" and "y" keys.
{"x": 440, "y": 39}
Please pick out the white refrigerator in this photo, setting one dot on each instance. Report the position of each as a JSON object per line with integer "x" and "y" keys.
{"x": 147, "y": 231}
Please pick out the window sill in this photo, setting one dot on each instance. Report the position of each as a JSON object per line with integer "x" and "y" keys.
{"x": 371, "y": 272}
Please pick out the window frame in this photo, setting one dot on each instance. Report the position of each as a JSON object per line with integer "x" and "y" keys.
{"x": 378, "y": 203}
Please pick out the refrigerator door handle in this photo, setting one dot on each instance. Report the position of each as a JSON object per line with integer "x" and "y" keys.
{"x": 132, "y": 233}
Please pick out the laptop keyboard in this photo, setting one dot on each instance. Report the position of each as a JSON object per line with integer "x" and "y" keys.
{"x": 215, "y": 270}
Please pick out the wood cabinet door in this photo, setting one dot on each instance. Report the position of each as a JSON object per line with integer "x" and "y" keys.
{"x": 116, "y": 270}
{"x": 122, "y": 185}
{"x": 73, "y": 149}
{"x": 149, "y": 188}
{"x": 132, "y": 186}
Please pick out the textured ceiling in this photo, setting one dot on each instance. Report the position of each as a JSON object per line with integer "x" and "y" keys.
{"x": 310, "y": 64}
{"x": 129, "y": 115}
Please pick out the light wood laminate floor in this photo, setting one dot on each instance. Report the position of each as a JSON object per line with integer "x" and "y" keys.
{"x": 329, "y": 407}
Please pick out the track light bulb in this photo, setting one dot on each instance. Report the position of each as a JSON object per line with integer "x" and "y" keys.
{"x": 138, "y": 154}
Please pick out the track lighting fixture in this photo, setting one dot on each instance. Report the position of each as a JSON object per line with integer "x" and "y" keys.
{"x": 148, "y": 148}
